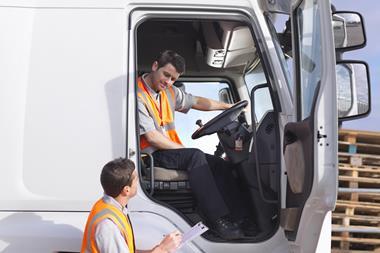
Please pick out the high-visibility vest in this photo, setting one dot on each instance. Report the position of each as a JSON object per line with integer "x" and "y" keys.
{"x": 162, "y": 114}
{"x": 99, "y": 212}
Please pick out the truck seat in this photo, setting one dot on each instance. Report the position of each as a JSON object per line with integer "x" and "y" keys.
{"x": 161, "y": 178}
{"x": 163, "y": 174}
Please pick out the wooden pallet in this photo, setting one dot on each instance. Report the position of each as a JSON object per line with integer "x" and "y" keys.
{"x": 360, "y": 148}
{"x": 360, "y": 208}
{"x": 356, "y": 225}
{"x": 359, "y": 159}
{"x": 363, "y": 176}
{"x": 358, "y": 136}
{"x": 356, "y": 221}
{"x": 361, "y": 196}
{"x": 356, "y": 218}
{"x": 355, "y": 241}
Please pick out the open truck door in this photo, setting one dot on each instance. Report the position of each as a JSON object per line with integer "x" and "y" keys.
{"x": 309, "y": 144}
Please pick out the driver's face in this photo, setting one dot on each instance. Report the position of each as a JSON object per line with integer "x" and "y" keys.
{"x": 164, "y": 77}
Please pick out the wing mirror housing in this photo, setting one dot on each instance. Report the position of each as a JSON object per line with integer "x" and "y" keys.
{"x": 353, "y": 90}
{"x": 349, "y": 32}
{"x": 225, "y": 96}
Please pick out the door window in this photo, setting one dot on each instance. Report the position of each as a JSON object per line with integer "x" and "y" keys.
{"x": 278, "y": 28}
{"x": 308, "y": 60}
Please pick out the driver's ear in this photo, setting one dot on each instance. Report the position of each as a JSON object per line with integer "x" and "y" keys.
{"x": 155, "y": 66}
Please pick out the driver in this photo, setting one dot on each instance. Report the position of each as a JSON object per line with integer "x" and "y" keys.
{"x": 210, "y": 177}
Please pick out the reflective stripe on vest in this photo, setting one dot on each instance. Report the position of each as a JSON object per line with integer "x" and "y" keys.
{"x": 99, "y": 212}
{"x": 165, "y": 123}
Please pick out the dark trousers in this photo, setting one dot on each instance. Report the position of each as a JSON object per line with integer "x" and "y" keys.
{"x": 211, "y": 180}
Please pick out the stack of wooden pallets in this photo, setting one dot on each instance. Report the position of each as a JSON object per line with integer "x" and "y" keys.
{"x": 356, "y": 219}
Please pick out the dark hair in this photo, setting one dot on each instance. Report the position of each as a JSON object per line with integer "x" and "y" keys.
{"x": 116, "y": 175}
{"x": 169, "y": 56}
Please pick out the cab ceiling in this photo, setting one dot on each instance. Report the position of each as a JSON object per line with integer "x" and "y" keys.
{"x": 186, "y": 37}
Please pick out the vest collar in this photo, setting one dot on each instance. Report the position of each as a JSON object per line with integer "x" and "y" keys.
{"x": 152, "y": 92}
{"x": 109, "y": 200}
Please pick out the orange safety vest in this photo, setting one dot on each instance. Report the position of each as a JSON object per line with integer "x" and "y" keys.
{"x": 163, "y": 114}
{"x": 99, "y": 212}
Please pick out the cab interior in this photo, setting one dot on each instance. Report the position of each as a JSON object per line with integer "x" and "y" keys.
{"x": 223, "y": 60}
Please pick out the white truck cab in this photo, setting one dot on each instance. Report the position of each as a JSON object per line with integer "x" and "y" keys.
{"x": 68, "y": 105}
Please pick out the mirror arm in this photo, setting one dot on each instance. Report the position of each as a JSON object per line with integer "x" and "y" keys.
{"x": 338, "y": 55}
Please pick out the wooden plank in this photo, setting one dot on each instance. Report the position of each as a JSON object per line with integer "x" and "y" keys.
{"x": 374, "y": 207}
{"x": 368, "y": 149}
{"x": 356, "y": 160}
{"x": 363, "y": 197}
{"x": 372, "y": 241}
{"x": 344, "y": 244}
{"x": 361, "y": 136}
{"x": 351, "y": 251}
{"x": 350, "y": 138}
{"x": 359, "y": 180}
{"x": 361, "y": 148}
{"x": 345, "y": 154}
{"x": 343, "y": 131}
{"x": 359, "y": 204}
{"x": 355, "y": 217}
{"x": 359, "y": 144}
{"x": 354, "y": 197}
{"x": 362, "y": 168}
{"x": 365, "y": 159}
{"x": 371, "y": 197}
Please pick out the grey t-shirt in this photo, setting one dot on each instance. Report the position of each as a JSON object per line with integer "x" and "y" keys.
{"x": 183, "y": 103}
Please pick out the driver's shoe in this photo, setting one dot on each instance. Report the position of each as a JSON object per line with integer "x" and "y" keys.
{"x": 227, "y": 229}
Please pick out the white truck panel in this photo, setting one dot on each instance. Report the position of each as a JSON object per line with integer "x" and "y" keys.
{"x": 59, "y": 91}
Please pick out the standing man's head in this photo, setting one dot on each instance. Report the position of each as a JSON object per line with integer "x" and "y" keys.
{"x": 119, "y": 179}
{"x": 165, "y": 70}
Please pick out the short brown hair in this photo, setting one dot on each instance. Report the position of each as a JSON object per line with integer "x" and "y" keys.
{"x": 169, "y": 56}
{"x": 116, "y": 175}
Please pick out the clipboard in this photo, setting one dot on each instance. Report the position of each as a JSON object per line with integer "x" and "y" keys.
{"x": 193, "y": 232}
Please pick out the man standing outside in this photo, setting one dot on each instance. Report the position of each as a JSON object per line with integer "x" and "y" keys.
{"x": 158, "y": 99}
{"x": 108, "y": 228}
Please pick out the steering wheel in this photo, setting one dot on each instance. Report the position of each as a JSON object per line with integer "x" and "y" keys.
{"x": 219, "y": 121}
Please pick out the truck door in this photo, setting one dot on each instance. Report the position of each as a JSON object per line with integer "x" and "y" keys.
{"x": 310, "y": 141}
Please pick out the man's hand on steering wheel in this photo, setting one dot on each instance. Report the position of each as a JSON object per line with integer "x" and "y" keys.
{"x": 221, "y": 120}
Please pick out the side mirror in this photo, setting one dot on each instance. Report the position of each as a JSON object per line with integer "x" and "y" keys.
{"x": 353, "y": 90}
{"x": 225, "y": 96}
{"x": 349, "y": 32}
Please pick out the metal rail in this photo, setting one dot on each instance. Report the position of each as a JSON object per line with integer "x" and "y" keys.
{"x": 359, "y": 190}
{"x": 356, "y": 230}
